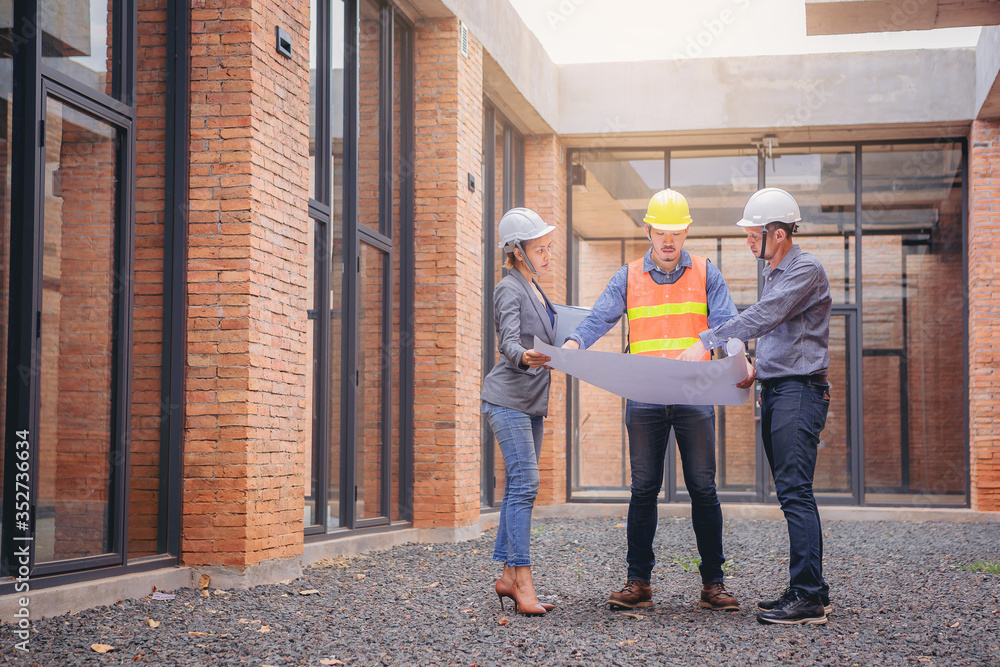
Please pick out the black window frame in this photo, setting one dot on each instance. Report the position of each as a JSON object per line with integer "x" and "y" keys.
{"x": 34, "y": 84}
{"x": 353, "y": 235}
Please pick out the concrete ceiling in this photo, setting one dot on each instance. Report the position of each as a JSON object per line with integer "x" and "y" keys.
{"x": 845, "y": 17}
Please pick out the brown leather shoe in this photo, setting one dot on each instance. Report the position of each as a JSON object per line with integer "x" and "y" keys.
{"x": 715, "y": 596}
{"x": 635, "y": 594}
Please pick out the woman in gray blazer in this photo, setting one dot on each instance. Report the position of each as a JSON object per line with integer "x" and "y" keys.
{"x": 516, "y": 395}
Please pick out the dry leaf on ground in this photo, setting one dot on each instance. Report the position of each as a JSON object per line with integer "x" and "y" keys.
{"x": 203, "y": 581}
{"x": 310, "y": 591}
{"x": 330, "y": 661}
{"x": 152, "y": 623}
{"x": 198, "y": 634}
{"x": 102, "y": 648}
{"x": 503, "y": 621}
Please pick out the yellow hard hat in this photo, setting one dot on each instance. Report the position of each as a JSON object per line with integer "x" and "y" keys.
{"x": 668, "y": 210}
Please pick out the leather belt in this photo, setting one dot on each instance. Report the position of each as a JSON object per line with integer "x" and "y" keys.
{"x": 815, "y": 377}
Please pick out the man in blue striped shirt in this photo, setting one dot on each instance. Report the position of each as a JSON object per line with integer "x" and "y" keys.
{"x": 791, "y": 322}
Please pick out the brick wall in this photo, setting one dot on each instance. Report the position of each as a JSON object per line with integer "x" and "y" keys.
{"x": 246, "y": 425}
{"x": 545, "y": 192}
{"x": 449, "y": 269}
{"x": 984, "y": 312}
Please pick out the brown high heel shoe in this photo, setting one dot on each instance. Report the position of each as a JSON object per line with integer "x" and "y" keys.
{"x": 533, "y": 609}
{"x": 505, "y": 590}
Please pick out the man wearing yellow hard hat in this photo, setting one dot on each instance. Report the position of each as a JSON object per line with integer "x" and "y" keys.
{"x": 669, "y": 296}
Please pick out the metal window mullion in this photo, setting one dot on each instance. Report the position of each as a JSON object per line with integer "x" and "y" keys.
{"x": 386, "y": 221}
{"x": 121, "y": 347}
{"x": 350, "y": 254}
{"x": 965, "y": 316}
{"x": 321, "y": 440}
{"x": 572, "y": 296}
{"x": 26, "y": 236}
{"x": 175, "y": 189}
{"x": 763, "y": 468}
{"x": 407, "y": 276}
{"x": 489, "y": 240}
{"x": 855, "y": 364}
{"x": 322, "y": 161}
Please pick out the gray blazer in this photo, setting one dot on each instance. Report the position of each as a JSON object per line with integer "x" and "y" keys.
{"x": 519, "y": 317}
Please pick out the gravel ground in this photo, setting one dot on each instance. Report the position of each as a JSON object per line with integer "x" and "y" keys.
{"x": 900, "y": 593}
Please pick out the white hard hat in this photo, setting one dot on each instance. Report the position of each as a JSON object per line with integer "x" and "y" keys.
{"x": 770, "y": 205}
{"x": 520, "y": 224}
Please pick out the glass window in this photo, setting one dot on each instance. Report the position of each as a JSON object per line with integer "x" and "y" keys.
{"x": 371, "y": 367}
{"x": 822, "y": 183}
{"x": 77, "y": 339}
{"x": 77, "y": 40}
{"x": 913, "y": 324}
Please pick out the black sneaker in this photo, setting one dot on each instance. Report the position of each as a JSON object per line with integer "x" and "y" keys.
{"x": 795, "y": 609}
{"x": 768, "y": 605}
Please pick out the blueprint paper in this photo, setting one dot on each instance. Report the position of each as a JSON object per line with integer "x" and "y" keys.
{"x": 655, "y": 379}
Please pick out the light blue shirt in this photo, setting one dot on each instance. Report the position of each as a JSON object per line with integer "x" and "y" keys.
{"x": 610, "y": 306}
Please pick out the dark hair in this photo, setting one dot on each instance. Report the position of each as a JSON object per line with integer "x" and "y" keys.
{"x": 788, "y": 227}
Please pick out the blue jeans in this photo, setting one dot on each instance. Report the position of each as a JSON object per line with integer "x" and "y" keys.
{"x": 520, "y": 438}
{"x": 694, "y": 429}
{"x": 792, "y": 416}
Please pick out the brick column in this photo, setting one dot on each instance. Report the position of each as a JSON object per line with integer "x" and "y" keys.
{"x": 545, "y": 192}
{"x": 246, "y": 426}
{"x": 449, "y": 269}
{"x": 984, "y": 313}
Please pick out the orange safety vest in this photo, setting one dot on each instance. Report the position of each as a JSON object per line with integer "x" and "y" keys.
{"x": 665, "y": 320}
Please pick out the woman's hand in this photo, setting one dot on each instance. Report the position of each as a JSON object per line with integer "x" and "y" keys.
{"x": 570, "y": 344}
{"x": 533, "y": 359}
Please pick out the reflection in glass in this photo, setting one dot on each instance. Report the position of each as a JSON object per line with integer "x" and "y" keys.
{"x": 823, "y": 186}
{"x": 913, "y": 304}
{"x": 371, "y": 366}
{"x": 369, "y": 142}
{"x": 600, "y": 458}
{"x": 77, "y": 339}
{"x": 76, "y": 39}
{"x": 336, "y": 100}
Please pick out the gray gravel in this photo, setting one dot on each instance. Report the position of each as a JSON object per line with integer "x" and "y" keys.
{"x": 900, "y": 593}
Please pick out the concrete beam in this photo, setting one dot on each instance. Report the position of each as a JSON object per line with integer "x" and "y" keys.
{"x": 987, "y": 71}
{"x": 521, "y": 79}
{"x": 846, "y": 17}
{"x": 777, "y": 93}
